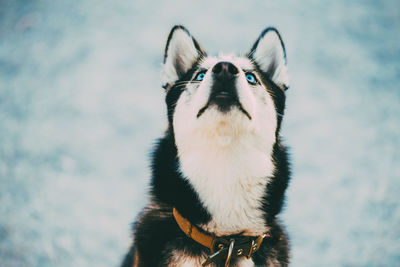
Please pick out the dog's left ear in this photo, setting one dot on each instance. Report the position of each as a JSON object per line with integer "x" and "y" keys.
{"x": 268, "y": 52}
{"x": 181, "y": 53}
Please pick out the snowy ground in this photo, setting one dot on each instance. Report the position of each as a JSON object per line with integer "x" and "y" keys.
{"x": 81, "y": 103}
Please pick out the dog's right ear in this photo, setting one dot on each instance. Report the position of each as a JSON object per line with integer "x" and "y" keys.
{"x": 181, "y": 52}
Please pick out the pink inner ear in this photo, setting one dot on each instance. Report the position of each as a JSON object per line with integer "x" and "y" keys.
{"x": 182, "y": 51}
{"x": 269, "y": 54}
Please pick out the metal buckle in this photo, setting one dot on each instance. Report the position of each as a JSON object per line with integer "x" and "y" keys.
{"x": 211, "y": 258}
{"x": 230, "y": 250}
{"x": 255, "y": 245}
{"x": 224, "y": 249}
{"x": 220, "y": 244}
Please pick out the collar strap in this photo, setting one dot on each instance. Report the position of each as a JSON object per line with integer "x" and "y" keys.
{"x": 220, "y": 247}
{"x": 192, "y": 231}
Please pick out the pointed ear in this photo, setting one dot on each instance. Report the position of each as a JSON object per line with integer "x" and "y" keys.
{"x": 181, "y": 52}
{"x": 268, "y": 52}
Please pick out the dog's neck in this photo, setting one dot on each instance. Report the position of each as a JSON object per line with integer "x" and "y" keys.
{"x": 230, "y": 180}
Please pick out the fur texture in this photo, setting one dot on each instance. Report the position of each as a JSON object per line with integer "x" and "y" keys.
{"x": 221, "y": 162}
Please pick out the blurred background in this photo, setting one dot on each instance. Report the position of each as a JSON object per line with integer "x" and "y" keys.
{"x": 81, "y": 104}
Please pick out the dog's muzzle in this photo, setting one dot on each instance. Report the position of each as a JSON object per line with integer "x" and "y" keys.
{"x": 223, "y": 91}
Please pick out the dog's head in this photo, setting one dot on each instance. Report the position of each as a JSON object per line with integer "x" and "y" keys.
{"x": 224, "y": 100}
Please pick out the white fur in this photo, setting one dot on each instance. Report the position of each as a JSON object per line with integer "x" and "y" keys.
{"x": 269, "y": 52}
{"x": 181, "y": 53}
{"x": 181, "y": 259}
{"x": 226, "y": 156}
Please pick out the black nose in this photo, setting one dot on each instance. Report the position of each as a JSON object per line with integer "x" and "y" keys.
{"x": 225, "y": 71}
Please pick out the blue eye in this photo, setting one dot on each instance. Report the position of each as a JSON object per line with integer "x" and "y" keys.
{"x": 251, "y": 78}
{"x": 200, "y": 76}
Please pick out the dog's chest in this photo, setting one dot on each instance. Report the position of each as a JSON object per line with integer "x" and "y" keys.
{"x": 231, "y": 184}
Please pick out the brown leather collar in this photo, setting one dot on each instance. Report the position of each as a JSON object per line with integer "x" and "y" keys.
{"x": 220, "y": 247}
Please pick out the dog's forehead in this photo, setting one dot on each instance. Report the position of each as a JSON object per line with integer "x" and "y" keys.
{"x": 240, "y": 61}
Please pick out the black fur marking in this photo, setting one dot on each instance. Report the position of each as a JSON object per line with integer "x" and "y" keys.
{"x": 274, "y": 249}
{"x": 129, "y": 258}
{"x": 201, "y": 111}
{"x": 176, "y": 90}
{"x": 275, "y": 193}
{"x": 244, "y": 111}
{"x": 168, "y": 185}
{"x": 277, "y": 93}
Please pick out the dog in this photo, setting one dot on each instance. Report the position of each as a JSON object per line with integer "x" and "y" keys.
{"x": 220, "y": 171}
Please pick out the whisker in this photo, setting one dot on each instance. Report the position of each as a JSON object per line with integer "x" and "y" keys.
{"x": 271, "y": 92}
{"x": 181, "y": 84}
{"x": 180, "y": 87}
{"x": 186, "y": 82}
{"x": 251, "y": 54}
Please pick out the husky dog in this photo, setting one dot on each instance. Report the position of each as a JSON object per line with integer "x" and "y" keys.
{"x": 220, "y": 171}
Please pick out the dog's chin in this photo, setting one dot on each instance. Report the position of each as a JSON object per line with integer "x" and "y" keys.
{"x": 224, "y": 103}
{"x": 223, "y": 125}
